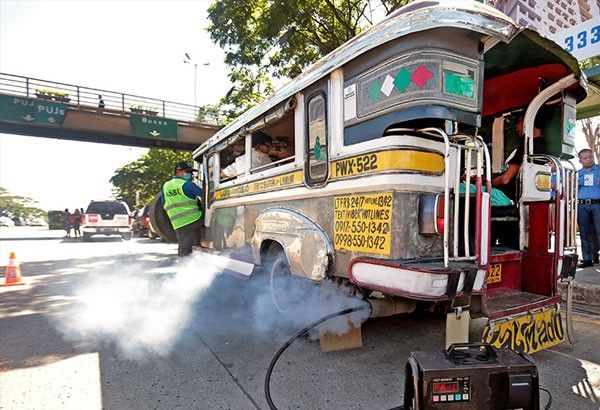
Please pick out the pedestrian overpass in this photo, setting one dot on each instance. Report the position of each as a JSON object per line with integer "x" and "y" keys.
{"x": 40, "y": 108}
{"x": 30, "y": 106}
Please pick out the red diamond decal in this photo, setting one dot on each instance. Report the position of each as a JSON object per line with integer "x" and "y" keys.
{"x": 421, "y": 76}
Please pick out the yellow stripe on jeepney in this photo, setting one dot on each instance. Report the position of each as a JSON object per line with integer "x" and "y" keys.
{"x": 400, "y": 160}
{"x": 264, "y": 185}
{"x": 410, "y": 160}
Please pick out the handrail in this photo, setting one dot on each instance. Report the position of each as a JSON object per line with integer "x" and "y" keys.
{"x": 565, "y": 217}
{"x": 105, "y": 100}
{"x": 454, "y": 148}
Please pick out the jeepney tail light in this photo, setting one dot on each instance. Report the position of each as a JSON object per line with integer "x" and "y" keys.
{"x": 92, "y": 218}
{"x": 439, "y": 214}
{"x": 431, "y": 214}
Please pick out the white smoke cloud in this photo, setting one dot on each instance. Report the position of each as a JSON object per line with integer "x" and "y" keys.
{"x": 146, "y": 310}
{"x": 138, "y": 310}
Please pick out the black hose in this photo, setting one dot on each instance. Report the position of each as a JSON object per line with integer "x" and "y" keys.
{"x": 293, "y": 338}
{"x": 549, "y": 398}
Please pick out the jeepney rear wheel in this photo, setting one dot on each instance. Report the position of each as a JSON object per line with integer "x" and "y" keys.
{"x": 288, "y": 292}
{"x": 279, "y": 275}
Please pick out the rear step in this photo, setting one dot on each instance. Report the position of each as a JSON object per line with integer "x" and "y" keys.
{"x": 513, "y": 302}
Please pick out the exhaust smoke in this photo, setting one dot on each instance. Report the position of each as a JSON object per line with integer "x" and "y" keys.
{"x": 145, "y": 310}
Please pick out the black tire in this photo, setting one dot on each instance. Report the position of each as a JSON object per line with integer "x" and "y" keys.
{"x": 160, "y": 221}
{"x": 288, "y": 292}
{"x": 278, "y": 275}
{"x": 126, "y": 237}
{"x": 86, "y": 237}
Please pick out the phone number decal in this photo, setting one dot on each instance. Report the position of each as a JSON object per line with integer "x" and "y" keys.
{"x": 363, "y": 223}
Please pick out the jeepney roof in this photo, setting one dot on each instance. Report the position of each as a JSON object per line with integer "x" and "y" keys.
{"x": 418, "y": 16}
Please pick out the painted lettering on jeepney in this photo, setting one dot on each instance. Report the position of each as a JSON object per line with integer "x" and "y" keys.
{"x": 363, "y": 223}
{"x": 399, "y": 160}
{"x": 356, "y": 165}
{"x": 494, "y": 273}
{"x": 526, "y": 335}
{"x": 263, "y": 185}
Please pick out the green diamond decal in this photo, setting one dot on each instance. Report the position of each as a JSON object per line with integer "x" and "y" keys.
{"x": 375, "y": 90}
{"x": 402, "y": 79}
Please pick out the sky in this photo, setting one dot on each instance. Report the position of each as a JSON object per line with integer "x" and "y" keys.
{"x": 131, "y": 47}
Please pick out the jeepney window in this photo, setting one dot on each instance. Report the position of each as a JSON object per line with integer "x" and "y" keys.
{"x": 211, "y": 180}
{"x": 278, "y": 144}
{"x": 199, "y": 165}
{"x": 317, "y": 138}
{"x": 232, "y": 159}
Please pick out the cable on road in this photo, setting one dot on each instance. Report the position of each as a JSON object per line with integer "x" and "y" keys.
{"x": 549, "y": 398}
{"x": 296, "y": 336}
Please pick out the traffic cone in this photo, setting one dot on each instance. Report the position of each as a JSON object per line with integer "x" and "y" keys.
{"x": 12, "y": 275}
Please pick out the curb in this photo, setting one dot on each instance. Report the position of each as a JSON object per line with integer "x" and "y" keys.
{"x": 584, "y": 293}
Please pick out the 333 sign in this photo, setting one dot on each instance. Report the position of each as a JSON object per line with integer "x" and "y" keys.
{"x": 582, "y": 40}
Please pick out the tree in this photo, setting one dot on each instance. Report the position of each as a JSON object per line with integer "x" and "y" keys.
{"x": 589, "y": 63}
{"x": 14, "y": 206}
{"x": 591, "y": 130}
{"x": 279, "y": 38}
{"x": 144, "y": 177}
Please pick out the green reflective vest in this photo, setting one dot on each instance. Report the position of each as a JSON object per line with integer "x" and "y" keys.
{"x": 181, "y": 209}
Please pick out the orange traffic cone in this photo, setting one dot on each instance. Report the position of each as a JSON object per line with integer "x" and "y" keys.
{"x": 12, "y": 274}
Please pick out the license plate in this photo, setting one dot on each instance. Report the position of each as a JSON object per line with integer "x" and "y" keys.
{"x": 494, "y": 273}
{"x": 526, "y": 333}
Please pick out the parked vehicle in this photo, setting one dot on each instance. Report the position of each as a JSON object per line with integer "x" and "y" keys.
{"x": 141, "y": 226}
{"x": 37, "y": 222}
{"x": 388, "y": 190}
{"x": 106, "y": 218}
{"x": 6, "y": 221}
{"x": 19, "y": 221}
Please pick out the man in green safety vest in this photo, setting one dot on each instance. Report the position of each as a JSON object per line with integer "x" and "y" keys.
{"x": 179, "y": 198}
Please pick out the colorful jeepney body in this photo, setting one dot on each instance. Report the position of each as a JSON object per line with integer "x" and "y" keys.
{"x": 382, "y": 156}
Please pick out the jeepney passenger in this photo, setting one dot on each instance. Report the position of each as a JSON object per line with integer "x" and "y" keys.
{"x": 506, "y": 181}
{"x": 261, "y": 145}
{"x": 506, "y": 232}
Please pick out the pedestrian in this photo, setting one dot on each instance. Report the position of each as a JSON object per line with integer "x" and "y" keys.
{"x": 100, "y": 102}
{"x": 67, "y": 223}
{"x": 76, "y": 222}
{"x": 180, "y": 200}
{"x": 588, "y": 207}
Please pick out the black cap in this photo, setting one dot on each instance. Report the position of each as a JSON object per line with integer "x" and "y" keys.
{"x": 260, "y": 137}
{"x": 183, "y": 166}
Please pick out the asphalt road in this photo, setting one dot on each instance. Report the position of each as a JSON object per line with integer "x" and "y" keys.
{"x": 125, "y": 325}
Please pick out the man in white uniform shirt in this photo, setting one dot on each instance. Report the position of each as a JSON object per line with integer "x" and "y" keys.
{"x": 259, "y": 156}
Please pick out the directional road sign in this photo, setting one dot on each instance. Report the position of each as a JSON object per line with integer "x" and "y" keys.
{"x": 153, "y": 127}
{"x": 31, "y": 110}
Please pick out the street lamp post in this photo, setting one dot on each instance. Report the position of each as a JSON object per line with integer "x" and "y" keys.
{"x": 188, "y": 60}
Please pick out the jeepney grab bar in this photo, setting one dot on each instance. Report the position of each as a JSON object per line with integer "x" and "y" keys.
{"x": 482, "y": 157}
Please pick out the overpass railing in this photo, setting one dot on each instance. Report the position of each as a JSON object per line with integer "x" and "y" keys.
{"x": 109, "y": 101}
